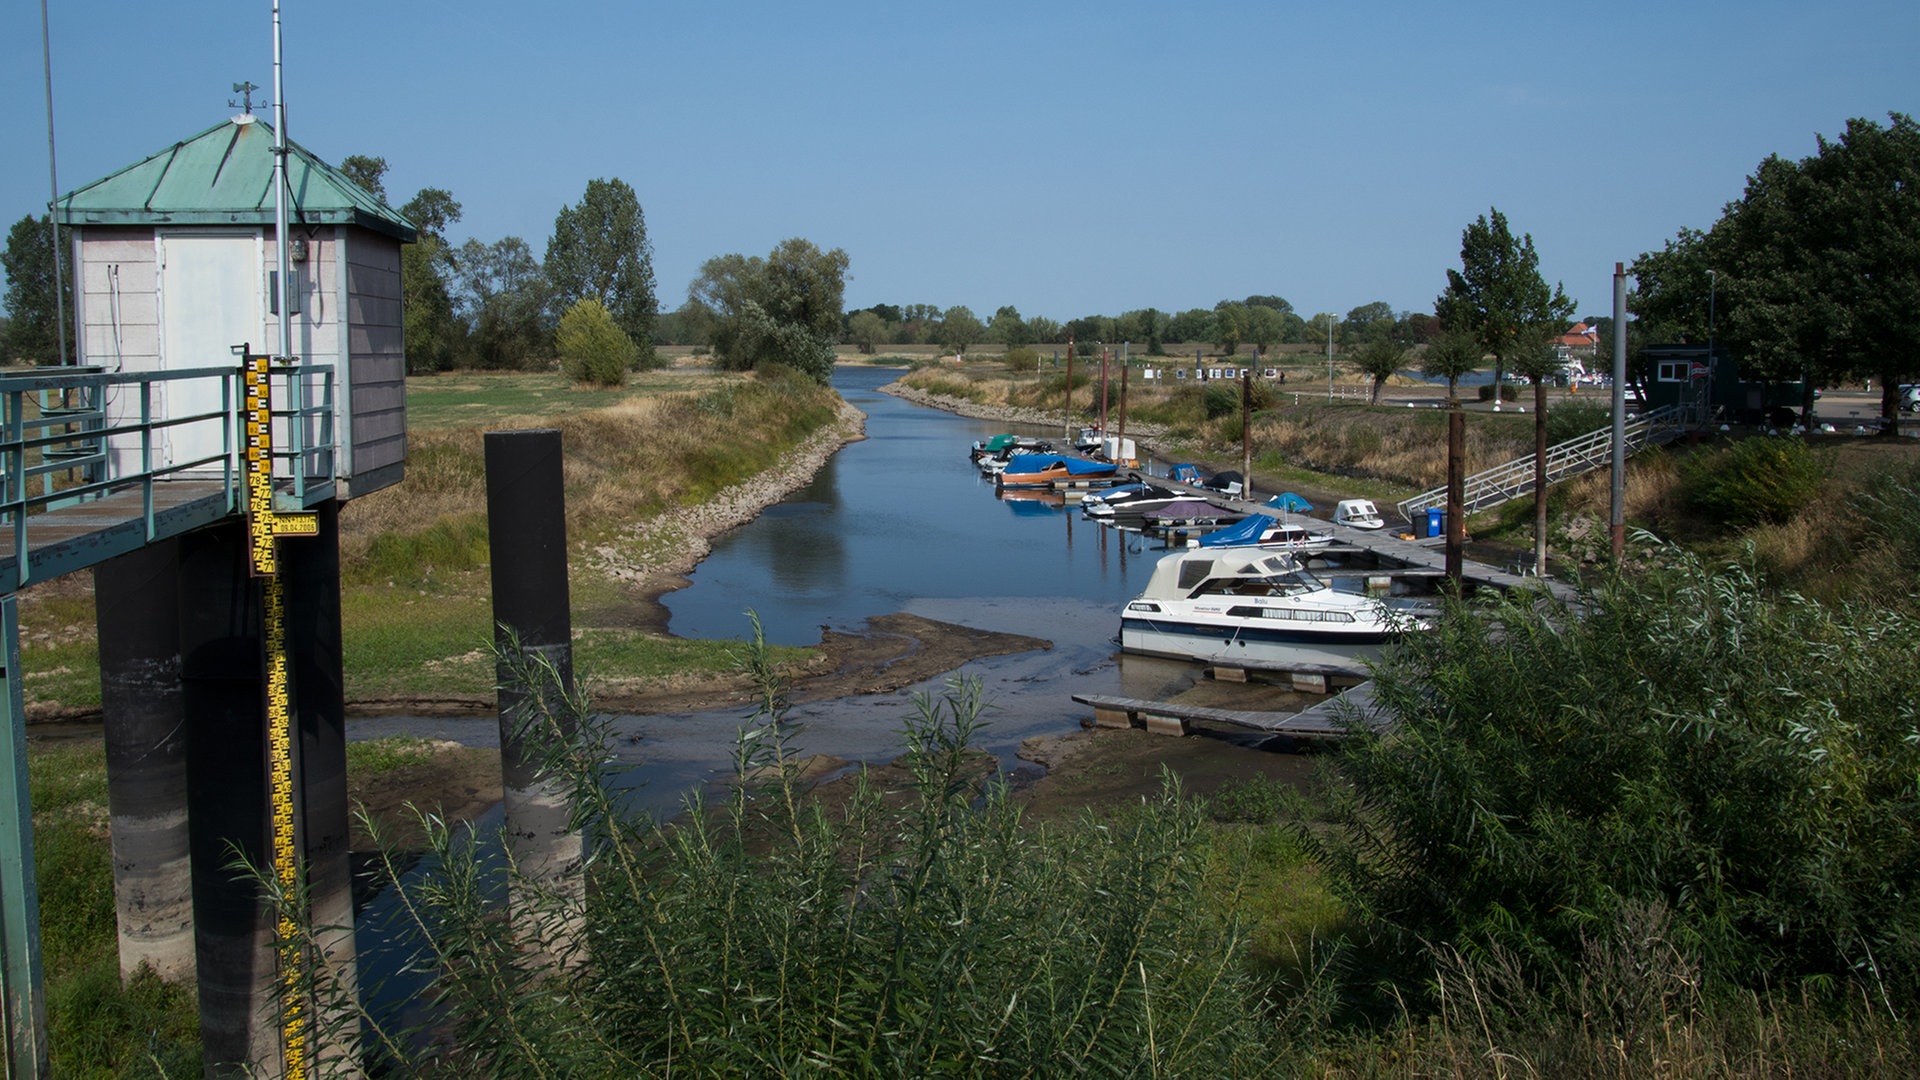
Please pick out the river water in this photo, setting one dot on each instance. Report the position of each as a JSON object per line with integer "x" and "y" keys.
{"x": 898, "y": 522}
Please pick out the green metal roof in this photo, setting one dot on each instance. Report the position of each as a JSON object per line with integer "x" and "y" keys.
{"x": 224, "y": 176}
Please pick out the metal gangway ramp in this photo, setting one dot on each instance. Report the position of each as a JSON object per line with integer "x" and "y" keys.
{"x": 1504, "y": 483}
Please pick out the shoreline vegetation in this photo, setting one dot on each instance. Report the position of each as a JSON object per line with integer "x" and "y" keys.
{"x": 1306, "y": 921}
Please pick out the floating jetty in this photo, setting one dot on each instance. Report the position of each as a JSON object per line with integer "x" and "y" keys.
{"x": 1392, "y": 559}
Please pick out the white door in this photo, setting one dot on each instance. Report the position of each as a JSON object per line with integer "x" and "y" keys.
{"x": 210, "y": 301}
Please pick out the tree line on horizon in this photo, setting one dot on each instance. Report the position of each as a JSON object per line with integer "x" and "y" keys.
{"x": 1812, "y": 275}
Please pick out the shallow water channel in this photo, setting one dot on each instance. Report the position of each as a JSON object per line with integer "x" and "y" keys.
{"x": 900, "y": 521}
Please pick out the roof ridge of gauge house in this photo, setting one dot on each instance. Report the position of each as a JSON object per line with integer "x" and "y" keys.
{"x": 175, "y": 264}
{"x": 224, "y": 176}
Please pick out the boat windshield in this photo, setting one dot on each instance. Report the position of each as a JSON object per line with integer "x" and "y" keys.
{"x": 1274, "y": 575}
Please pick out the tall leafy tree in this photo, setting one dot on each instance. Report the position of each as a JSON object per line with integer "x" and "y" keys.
{"x": 435, "y": 340}
{"x": 1008, "y": 328}
{"x": 959, "y": 329}
{"x": 1361, "y": 320}
{"x": 1676, "y": 289}
{"x": 1276, "y": 303}
{"x": 1449, "y": 357}
{"x": 600, "y": 249}
{"x": 367, "y": 171}
{"x": 1823, "y": 261}
{"x": 866, "y": 330}
{"x": 1041, "y": 329}
{"x": 1498, "y": 295}
{"x": 1229, "y": 325}
{"x": 1378, "y": 357}
{"x": 1193, "y": 324}
{"x": 781, "y": 309}
{"x": 1320, "y": 325}
{"x": 1265, "y": 326}
{"x": 33, "y": 304}
{"x": 500, "y": 293}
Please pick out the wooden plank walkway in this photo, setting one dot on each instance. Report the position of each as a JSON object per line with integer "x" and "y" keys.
{"x": 1325, "y": 721}
{"x": 86, "y": 534}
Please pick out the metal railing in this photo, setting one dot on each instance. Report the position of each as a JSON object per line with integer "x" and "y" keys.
{"x": 74, "y": 435}
{"x": 1504, "y": 483}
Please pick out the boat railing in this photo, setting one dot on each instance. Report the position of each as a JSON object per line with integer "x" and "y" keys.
{"x": 72, "y": 435}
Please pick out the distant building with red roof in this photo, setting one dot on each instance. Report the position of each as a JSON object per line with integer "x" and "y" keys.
{"x": 1582, "y": 340}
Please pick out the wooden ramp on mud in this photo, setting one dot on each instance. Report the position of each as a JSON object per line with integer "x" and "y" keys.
{"x": 1328, "y": 720}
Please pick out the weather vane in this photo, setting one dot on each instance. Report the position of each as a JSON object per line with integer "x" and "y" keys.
{"x": 247, "y": 89}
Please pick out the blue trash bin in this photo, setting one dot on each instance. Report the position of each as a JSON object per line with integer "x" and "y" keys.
{"x": 1436, "y": 521}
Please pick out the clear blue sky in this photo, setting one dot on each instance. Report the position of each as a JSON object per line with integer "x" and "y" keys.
{"x": 1066, "y": 158}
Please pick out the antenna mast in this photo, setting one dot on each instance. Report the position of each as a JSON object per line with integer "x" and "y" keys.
{"x": 280, "y": 194}
{"x": 53, "y": 181}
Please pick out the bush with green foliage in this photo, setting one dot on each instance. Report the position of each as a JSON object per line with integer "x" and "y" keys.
{"x": 1570, "y": 419}
{"x": 925, "y": 932}
{"x": 1021, "y": 358}
{"x": 1744, "y": 761}
{"x": 593, "y": 349}
{"x": 1221, "y": 398}
{"x": 1753, "y": 481}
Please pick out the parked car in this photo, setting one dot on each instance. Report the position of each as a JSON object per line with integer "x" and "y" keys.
{"x": 1909, "y": 398}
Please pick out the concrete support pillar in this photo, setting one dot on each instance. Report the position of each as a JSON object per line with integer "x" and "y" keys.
{"x": 223, "y": 693}
{"x": 526, "y": 512}
{"x": 137, "y": 611}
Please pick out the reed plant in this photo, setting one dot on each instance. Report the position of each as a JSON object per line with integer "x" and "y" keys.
{"x": 925, "y": 931}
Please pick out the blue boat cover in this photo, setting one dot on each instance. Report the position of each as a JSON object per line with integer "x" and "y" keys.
{"x": 1288, "y": 502}
{"x": 1239, "y": 534}
{"x": 1033, "y": 463}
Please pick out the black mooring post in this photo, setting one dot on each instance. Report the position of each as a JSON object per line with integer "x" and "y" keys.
{"x": 223, "y": 690}
{"x": 137, "y": 613}
{"x": 310, "y": 573}
{"x": 527, "y": 542}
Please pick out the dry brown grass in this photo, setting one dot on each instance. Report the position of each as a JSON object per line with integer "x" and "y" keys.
{"x": 635, "y": 456}
{"x": 1403, "y": 447}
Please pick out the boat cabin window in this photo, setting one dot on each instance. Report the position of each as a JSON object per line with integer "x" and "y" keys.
{"x": 1195, "y": 572}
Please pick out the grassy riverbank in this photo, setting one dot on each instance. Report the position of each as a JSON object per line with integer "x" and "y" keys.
{"x": 646, "y": 466}
{"x": 1802, "y": 518}
{"x": 644, "y": 479}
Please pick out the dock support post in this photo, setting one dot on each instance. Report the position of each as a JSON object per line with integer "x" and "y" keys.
{"x": 20, "y": 972}
{"x": 1456, "y": 494}
{"x": 222, "y": 685}
{"x": 310, "y": 571}
{"x": 137, "y": 612}
{"x": 527, "y": 542}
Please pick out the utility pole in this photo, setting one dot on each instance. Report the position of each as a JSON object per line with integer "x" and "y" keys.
{"x": 1618, "y": 520}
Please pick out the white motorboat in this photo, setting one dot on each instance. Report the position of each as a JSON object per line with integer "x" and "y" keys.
{"x": 1359, "y": 514}
{"x": 1127, "y": 503}
{"x": 1255, "y": 605}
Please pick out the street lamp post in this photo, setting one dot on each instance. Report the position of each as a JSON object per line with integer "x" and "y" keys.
{"x": 1712, "y": 289}
{"x": 1329, "y": 356}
